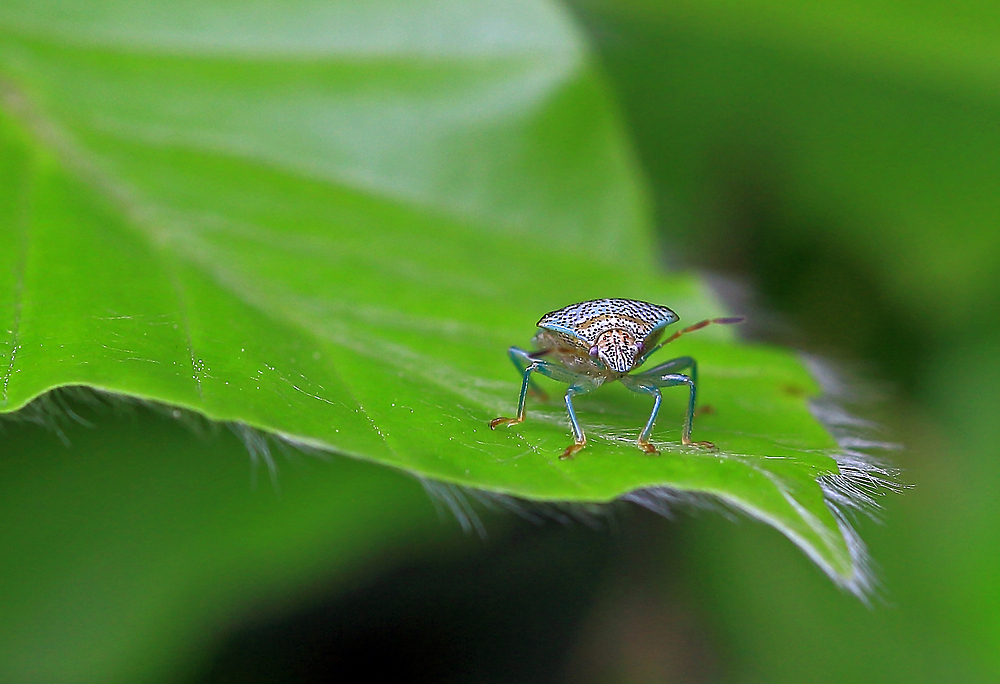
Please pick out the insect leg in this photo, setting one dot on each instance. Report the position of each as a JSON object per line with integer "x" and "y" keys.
{"x": 681, "y": 363}
{"x": 651, "y": 382}
{"x": 643, "y": 441}
{"x": 521, "y": 360}
{"x": 526, "y": 381}
{"x": 556, "y": 371}
{"x": 580, "y": 439}
{"x": 550, "y": 369}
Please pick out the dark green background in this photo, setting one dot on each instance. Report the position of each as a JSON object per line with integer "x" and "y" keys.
{"x": 845, "y": 161}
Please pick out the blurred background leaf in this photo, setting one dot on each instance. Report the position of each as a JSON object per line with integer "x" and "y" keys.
{"x": 125, "y": 554}
{"x": 843, "y": 160}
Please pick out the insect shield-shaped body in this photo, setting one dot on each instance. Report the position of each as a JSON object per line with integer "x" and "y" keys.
{"x": 603, "y": 340}
{"x": 612, "y": 334}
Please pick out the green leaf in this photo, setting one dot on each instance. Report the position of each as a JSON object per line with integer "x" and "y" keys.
{"x": 330, "y": 224}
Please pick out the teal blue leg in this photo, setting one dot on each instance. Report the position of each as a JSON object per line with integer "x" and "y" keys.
{"x": 579, "y": 384}
{"x": 651, "y": 381}
{"x": 521, "y": 360}
{"x": 681, "y": 363}
{"x": 643, "y": 441}
{"x": 525, "y": 383}
{"x": 579, "y": 439}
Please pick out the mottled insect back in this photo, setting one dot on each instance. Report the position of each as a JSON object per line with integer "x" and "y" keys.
{"x": 589, "y": 320}
{"x": 603, "y": 340}
{"x": 612, "y": 330}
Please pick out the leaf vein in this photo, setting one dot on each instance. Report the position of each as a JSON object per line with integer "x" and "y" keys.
{"x": 185, "y": 323}
{"x": 24, "y": 225}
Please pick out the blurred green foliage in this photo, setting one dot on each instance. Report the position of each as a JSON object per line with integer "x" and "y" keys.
{"x": 125, "y": 569}
{"x": 845, "y": 160}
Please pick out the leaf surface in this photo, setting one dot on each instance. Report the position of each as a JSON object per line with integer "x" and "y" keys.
{"x": 330, "y": 224}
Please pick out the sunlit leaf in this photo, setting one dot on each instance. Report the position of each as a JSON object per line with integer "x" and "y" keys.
{"x": 330, "y": 224}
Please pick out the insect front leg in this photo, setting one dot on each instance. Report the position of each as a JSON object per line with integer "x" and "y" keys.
{"x": 525, "y": 383}
{"x": 521, "y": 360}
{"x": 665, "y": 375}
{"x": 578, "y": 384}
{"x": 529, "y": 365}
{"x": 580, "y": 439}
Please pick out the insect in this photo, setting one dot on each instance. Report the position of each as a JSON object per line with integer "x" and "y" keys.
{"x": 603, "y": 340}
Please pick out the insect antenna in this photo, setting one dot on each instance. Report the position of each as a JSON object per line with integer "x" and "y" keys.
{"x": 701, "y": 324}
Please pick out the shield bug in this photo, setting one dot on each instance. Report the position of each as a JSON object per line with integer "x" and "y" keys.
{"x": 603, "y": 340}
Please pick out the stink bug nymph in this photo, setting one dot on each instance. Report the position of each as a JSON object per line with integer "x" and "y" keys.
{"x": 603, "y": 340}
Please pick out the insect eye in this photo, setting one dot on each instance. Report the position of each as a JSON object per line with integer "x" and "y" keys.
{"x": 593, "y": 351}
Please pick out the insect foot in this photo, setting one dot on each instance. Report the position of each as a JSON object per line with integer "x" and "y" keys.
{"x": 702, "y": 445}
{"x": 504, "y": 421}
{"x": 647, "y": 447}
{"x": 572, "y": 450}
